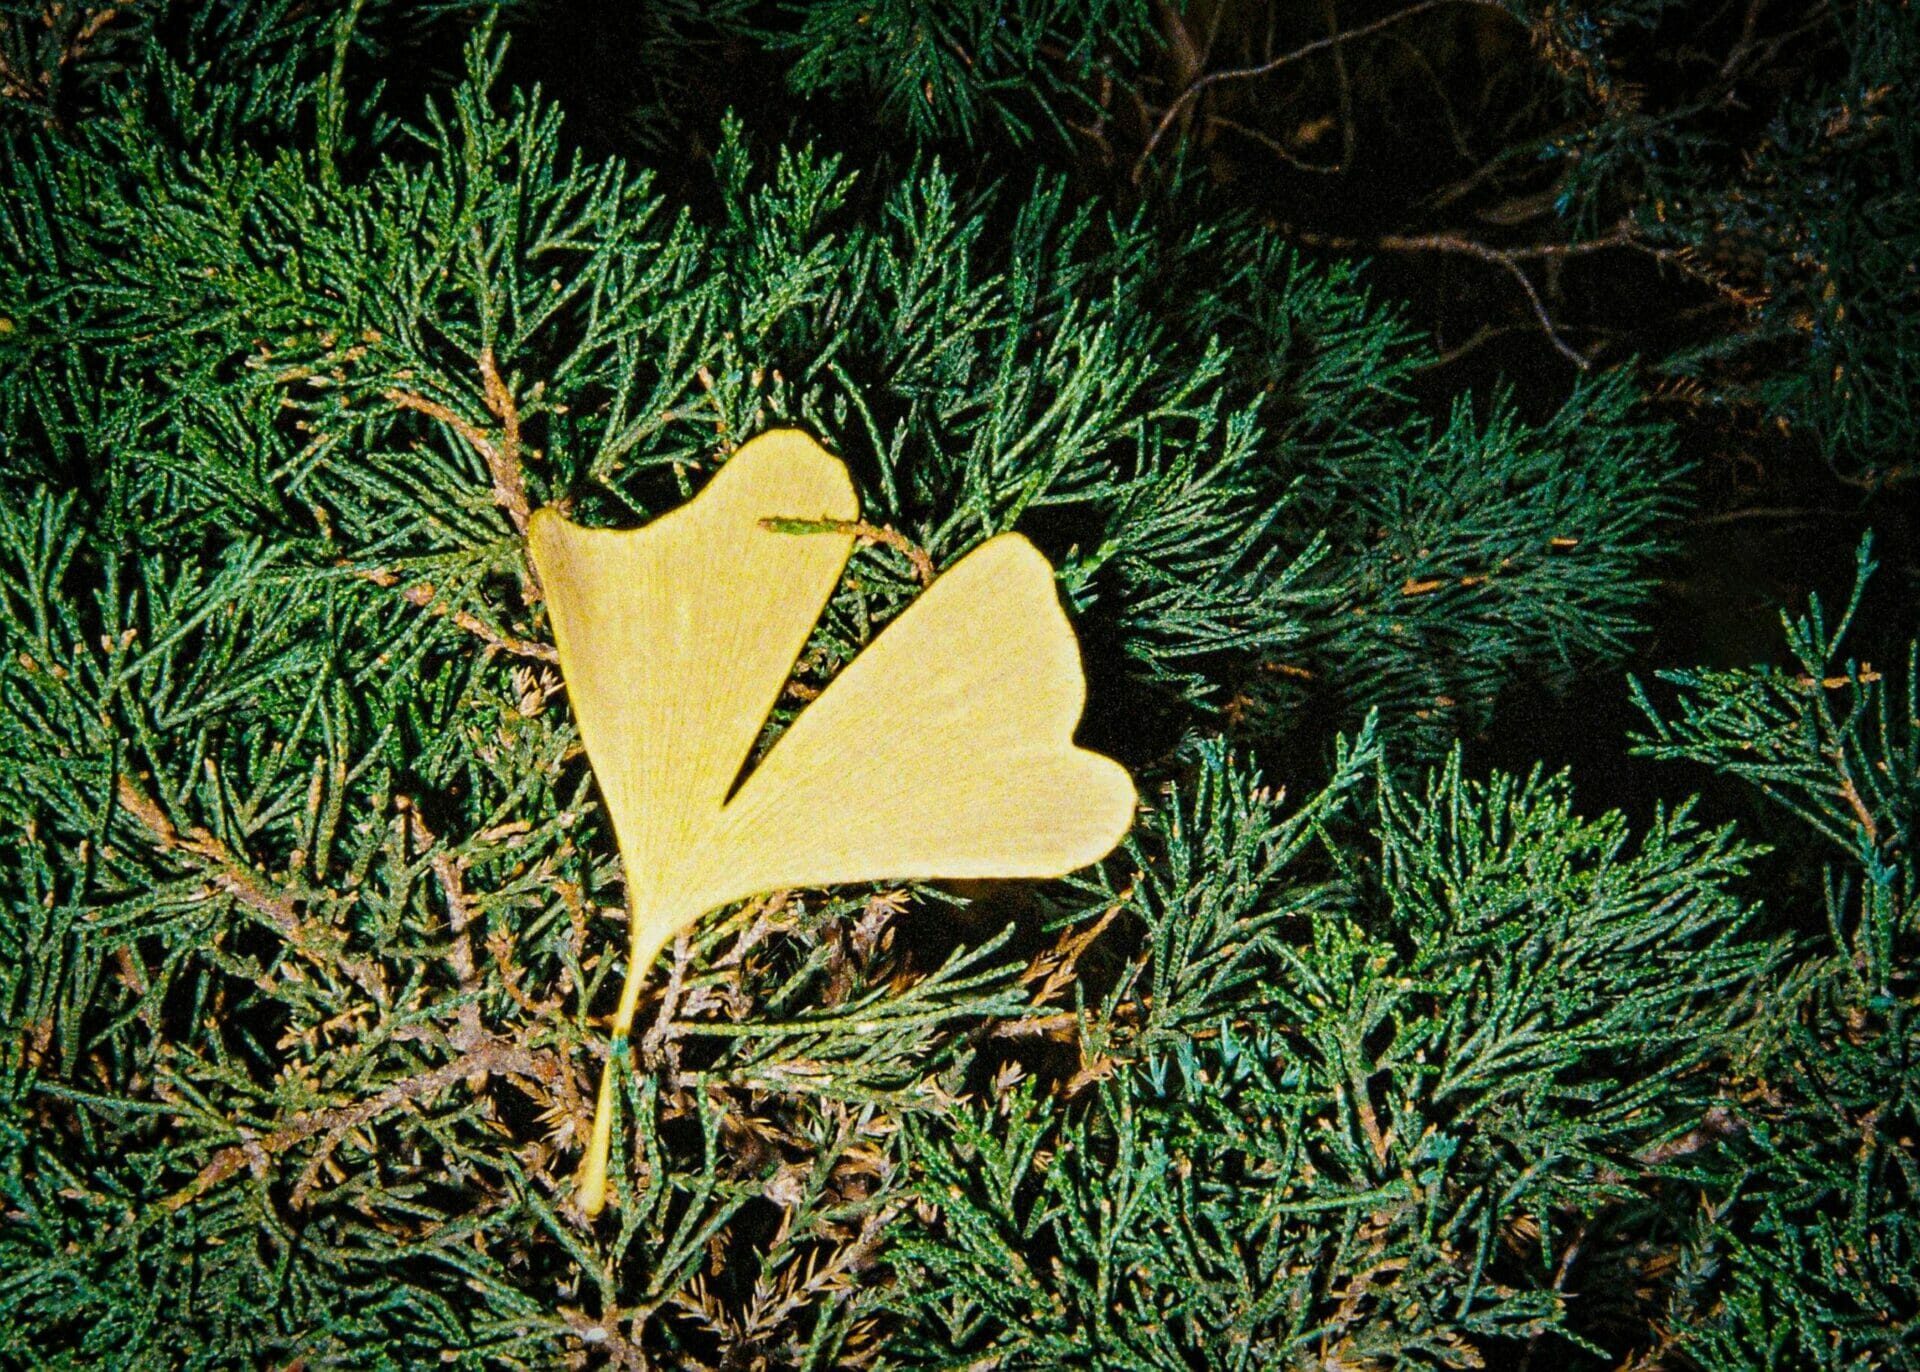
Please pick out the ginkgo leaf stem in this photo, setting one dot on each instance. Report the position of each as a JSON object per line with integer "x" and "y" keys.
{"x": 649, "y": 937}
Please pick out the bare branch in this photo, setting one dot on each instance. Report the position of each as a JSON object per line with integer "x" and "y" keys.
{"x": 1200, "y": 85}
{"x": 1507, "y": 259}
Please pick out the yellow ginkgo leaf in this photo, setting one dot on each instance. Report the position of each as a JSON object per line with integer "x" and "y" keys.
{"x": 945, "y": 749}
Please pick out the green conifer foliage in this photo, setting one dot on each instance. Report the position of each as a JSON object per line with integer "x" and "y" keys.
{"x": 971, "y": 67}
{"x": 310, "y": 913}
{"x": 1369, "y": 1074}
{"x": 1807, "y": 1216}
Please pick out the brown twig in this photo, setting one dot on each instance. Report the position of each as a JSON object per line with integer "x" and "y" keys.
{"x": 1349, "y": 133}
{"x": 496, "y": 1056}
{"x": 865, "y": 533}
{"x": 433, "y": 409}
{"x": 1412, "y": 51}
{"x": 1478, "y": 339}
{"x": 1718, "y": 1123}
{"x": 1381, "y": 1143}
{"x": 450, "y": 872}
{"x": 773, "y": 1305}
{"x": 1199, "y": 85}
{"x": 604, "y": 1334}
{"x": 1275, "y": 146}
{"x": 232, "y": 876}
{"x": 1507, "y": 259}
{"x": 423, "y": 594}
{"x": 501, "y": 452}
{"x": 509, "y": 480}
{"x": 500, "y": 945}
{"x": 1855, "y": 802}
{"x": 1682, "y": 259}
{"x": 1088, "y": 1074}
{"x": 1780, "y": 512}
{"x": 1561, "y": 1271}
{"x": 1049, "y": 1026}
{"x": 1055, "y": 968}
{"x": 1488, "y": 170}
{"x": 662, "y": 1031}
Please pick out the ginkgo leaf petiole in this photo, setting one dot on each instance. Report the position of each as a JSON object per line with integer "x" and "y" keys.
{"x": 649, "y": 937}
